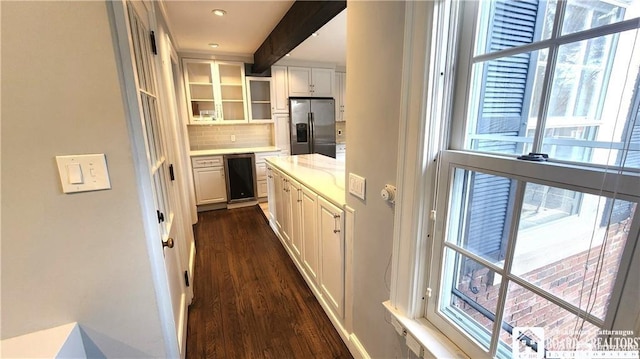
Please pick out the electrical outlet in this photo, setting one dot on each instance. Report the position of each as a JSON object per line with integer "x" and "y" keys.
{"x": 397, "y": 326}
{"x": 233, "y": 138}
{"x": 414, "y": 345}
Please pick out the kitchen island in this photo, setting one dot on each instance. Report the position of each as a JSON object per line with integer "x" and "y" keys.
{"x": 307, "y": 210}
{"x": 324, "y": 175}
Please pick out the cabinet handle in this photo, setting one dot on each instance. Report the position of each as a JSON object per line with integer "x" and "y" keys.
{"x": 336, "y": 228}
{"x": 299, "y": 191}
{"x": 336, "y": 216}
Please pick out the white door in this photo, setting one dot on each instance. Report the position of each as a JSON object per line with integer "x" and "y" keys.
{"x": 158, "y": 164}
{"x": 179, "y": 160}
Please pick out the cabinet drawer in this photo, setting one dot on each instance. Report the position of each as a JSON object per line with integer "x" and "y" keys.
{"x": 261, "y": 171}
{"x": 260, "y": 156}
{"x": 209, "y": 161}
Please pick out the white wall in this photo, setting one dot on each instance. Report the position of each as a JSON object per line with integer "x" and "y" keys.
{"x": 374, "y": 71}
{"x": 79, "y": 257}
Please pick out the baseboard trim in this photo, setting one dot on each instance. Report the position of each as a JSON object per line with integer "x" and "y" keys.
{"x": 356, "y": 348}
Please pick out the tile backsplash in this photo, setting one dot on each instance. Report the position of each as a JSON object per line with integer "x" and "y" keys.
{"x": 202, "y": 137}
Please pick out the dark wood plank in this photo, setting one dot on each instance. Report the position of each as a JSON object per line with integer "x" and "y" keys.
{"x": 250, "y": 300}
{"x": 302, "y": 19}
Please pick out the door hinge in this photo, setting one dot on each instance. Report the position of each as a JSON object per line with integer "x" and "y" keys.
{"x": 160, "y": 216}
{"x": 186, "y": 278}
{"x": 171, "y": 173}
{"x": 154, "y": 48}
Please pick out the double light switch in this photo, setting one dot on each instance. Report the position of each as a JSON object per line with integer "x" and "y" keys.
{"x": 82, "y": 173}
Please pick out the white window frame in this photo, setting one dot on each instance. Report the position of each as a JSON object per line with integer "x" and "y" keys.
{"x": 599, "y": 182}
{"x": 427, "y": 93}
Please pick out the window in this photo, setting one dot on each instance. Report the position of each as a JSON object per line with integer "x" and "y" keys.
{"x": 521, "y": 243}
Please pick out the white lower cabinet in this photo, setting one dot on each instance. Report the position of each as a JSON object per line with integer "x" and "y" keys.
{"x": 330, "y": 224}
{"x": 309, "y": 223}
{"x": 295, "y": 206}
{"x": 312, "y": 230}
{"x": 286, "y": 209}
{"x": 261, "y": 172}
{"x": 283, "y": 141}
{"x": 271, "y": 193}
{"x": 278, "y": 194}
{"x": 262, "y": 188}
{"x": 209, "y": 180}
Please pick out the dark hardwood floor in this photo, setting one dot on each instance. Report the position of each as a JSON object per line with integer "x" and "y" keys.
{"x": 250, "y": 300}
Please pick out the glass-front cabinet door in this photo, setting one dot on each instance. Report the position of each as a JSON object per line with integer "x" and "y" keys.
{"x": 231, "y": 90}
{"x": 259, "y": 99}
{"x": 215, "y": 91}
{"x": 199, "y": 87}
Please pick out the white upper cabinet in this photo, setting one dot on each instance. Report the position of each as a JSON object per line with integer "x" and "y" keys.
{"x": 322, "y": 82}
{"x": 299, "y": 81}
{"x": 340, "y": 96}
{"x": 215, "y": 91}
{"x": 279, "y": 90}
{"x": 310, "y": 82}
{"x": 259, "y": 99}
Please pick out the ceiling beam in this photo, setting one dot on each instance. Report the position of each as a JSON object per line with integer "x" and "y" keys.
{"x": 303, "y": 19}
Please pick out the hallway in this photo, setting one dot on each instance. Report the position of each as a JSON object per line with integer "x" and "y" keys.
{"x": 250, "y": 301}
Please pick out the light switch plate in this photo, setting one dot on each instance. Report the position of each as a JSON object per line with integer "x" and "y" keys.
{"x": 83, "y": 173}
{"x": 357, "y": 185}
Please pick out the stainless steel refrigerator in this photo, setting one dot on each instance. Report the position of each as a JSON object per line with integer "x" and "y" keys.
{"x": 313, "y": 126}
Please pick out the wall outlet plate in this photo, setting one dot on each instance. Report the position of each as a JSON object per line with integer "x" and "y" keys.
{"x": 396, "y": 325}
{"x": 414, "y": 345}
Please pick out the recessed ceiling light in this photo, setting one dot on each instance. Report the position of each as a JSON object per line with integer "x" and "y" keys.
{"x": 314, "y": 34}
{"x": 213, "y": 45}
{"x": 219, "y": 12}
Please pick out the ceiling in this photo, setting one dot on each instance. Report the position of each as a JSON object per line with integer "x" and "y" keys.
{"x": 245, "y": 27}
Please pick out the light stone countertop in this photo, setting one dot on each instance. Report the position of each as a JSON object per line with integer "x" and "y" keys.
{"x": 324, "y": 175}
{"x": 229, "y": 151}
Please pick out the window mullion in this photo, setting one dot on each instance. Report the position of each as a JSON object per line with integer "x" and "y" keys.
{"x": 545, "y": 94}
{"x": 511, "y": 248}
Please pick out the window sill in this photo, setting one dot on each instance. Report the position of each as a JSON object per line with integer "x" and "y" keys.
{"x": 433, "y": 342}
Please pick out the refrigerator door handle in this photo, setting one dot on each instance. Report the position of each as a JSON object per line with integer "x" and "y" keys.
{"x": 312, "y": 129}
